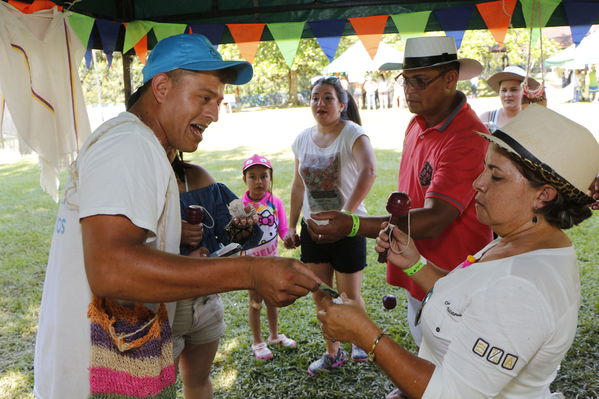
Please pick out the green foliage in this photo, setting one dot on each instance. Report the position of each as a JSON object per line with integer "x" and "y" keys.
{"x": 478, "y": 44}
{"x": 104, "y": 85}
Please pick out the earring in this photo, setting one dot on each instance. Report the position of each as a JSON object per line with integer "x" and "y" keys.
{"x": 535, "y": 219}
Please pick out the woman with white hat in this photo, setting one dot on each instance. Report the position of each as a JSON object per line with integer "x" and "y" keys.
{"x": 500, "y": 323}
{"x": 508, "y": 84}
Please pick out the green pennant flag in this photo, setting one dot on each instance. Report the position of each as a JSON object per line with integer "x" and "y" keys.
{"x": 134, "y": 32}
{"x": 287, "y": 36}
{"x": 162, "y": 31}
{"x": 82, "y": 25}
{"x": 411, "y": 24}
{"x": 537, "y": 12}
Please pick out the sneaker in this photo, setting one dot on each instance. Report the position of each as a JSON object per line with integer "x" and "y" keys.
{"x": 358, "y": 354}
{"x": 261, "y": 351}
{"x": 327, "y": 362}
{"x": 283, "y": 341}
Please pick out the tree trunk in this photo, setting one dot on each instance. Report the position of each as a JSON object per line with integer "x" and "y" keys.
{"x": 293, "y": 100}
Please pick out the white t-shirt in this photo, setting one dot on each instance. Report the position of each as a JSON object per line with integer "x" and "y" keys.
{"x": 500, "y": 329}
{"x": 329, "y": 173}
{"x": 126, "y": 172}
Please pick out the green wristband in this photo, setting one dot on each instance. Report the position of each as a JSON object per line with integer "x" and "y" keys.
{"x": 356, "y": 225}
{"x": 414, "y": 269}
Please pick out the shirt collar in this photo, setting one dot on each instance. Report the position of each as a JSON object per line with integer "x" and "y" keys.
{"x": 443, "y": 125}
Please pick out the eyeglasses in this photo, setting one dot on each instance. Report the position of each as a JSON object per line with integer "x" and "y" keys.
{"x": 424, "y": 301}
{"x": 416, "y": 83}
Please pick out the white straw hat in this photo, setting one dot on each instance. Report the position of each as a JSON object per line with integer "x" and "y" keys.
{"x": 431, "y": 51}
{"x": 563, "y": 152}
{"x": 511, "y": 72}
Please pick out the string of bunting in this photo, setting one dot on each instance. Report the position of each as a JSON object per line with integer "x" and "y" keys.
{"x": 454, "y": 21}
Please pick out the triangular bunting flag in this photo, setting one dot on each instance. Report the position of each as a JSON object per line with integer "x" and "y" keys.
{"x": 370, "y": 31}
{"x": 141, "y": 49}
{"x": 29, "y": 7}
{"x": 247, "y": 37}
{"x": 454, "y": 21}
{"x": 287, "y": 35}
{"x": 109, "y": 32}
{"x": 411, "y": 24}
{"x": 497, "y": 16}
{"x": 162, "y": 31}
{"x": 134, "y": 32}
{"x": 537, "y": 12}
{"x": 580, "y": 18}
{"x": 327, "y": 33}
{"x": 82, "y": 25}
{"x": 214, "y": 32}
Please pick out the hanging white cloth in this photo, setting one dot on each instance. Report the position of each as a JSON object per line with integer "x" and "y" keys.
{"x": 39, "y": 79}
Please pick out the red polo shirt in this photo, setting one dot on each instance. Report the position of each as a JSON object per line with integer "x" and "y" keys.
{"x": 442, "y": 162}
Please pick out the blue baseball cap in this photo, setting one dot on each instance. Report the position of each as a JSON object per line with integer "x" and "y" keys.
{"x": 193, "y": 52}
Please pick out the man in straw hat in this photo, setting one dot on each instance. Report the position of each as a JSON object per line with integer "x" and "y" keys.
{"x": 499, "y": 324}
{"x": 441, "y": 158}
{"x": 119, "y": 224}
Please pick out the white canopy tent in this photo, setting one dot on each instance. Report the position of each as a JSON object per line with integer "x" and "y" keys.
{"x": 356, "y": 61}
{"x": 576, "y": 57}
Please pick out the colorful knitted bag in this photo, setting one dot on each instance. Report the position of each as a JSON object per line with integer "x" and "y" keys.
{"x": 131, "y": 351}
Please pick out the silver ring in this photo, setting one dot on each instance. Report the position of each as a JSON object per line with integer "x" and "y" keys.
{"x": 319, "y": 237}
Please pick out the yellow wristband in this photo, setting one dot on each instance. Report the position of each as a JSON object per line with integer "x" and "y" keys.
{"x": 371, "y": 355}
{"x": 414, "y": 269}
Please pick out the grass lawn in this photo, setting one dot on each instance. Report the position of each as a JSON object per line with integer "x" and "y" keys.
{"x": 26, "y": 223}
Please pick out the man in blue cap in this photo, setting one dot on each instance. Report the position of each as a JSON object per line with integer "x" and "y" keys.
{"x": 118, "y": 227}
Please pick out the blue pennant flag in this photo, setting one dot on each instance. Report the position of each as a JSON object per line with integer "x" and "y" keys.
{"x": 214, "y": 32}
{"x": 109, "y": 32}
{"x": 580, "y": 18}
{"x": 328, "y": 33}
{"x": 454, "y": 21}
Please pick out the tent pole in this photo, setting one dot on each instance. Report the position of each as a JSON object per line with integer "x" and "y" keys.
{"x": 127, "y": 76}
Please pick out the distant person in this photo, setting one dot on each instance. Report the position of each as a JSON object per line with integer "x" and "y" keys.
{"x": 344, "y": 82}
{"x": 474, "y": 87}
{"x": 508, "y": 84}
{"x": 121, "y": 224}
{"x": 334, "y": 170}
{"x": 383, "y": 91}
{"x": 500, "y": 323}
{"x": 593, "y": 87}
{"x": 258, "y": 177}
{"x": 370, "y": 87}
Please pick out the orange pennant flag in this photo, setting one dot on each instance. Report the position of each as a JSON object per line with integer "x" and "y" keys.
{"x": 370, "y": 31}
{"x": 37, "y": 5}
{"x": 141, "y": 49}
{"x": 497, "y": 15}
{"x": 247, "y": 37}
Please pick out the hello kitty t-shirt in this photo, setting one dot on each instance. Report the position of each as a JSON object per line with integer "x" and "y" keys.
{"x": 329, "y": 173}
{"x": 271, "y": 219}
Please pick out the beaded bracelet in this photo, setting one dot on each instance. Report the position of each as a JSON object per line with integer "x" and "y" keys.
{"x": 414, "y": 269}
{"x": 356, "y": 225}
{"x": 371, "y": 355}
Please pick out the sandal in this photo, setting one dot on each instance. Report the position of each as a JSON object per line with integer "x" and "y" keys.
{"x": 283, "y": 341}
{"x": 261, "y": 351}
